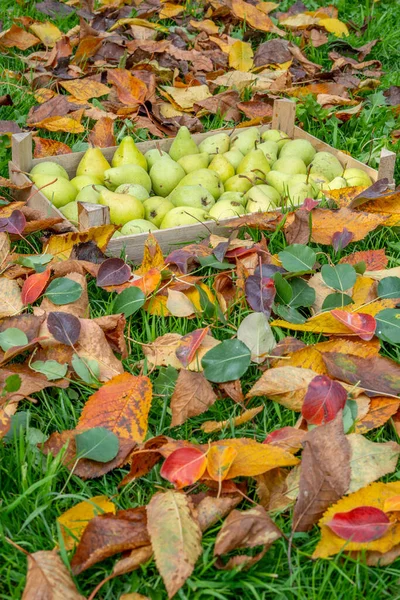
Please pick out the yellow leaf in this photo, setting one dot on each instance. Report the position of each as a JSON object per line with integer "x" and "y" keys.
{"x": 334, "y": 26}
{"x": 254, "y": 17}
{"x": 299, "y": 21}
{"x": 285, "y": 385}
{"x": 139, "y": 23}
{"x": 67, "y": 124}
{"x": 241, "y": 56}
{"x": 207, "y": 26}
{"x": 162, "y": 352}
{"x": 185, "y": 98}
{"x": 194, "y": 296}
{"x": 170, "y": 10}
{"x": 60, "y": 246}
{"x": 74, "y": 520}
{"x": 43, "y": 94}
{"x": 266, "y": 7}
{"x": 392, "y": 504}
{"x": 247, "y": 415}
{"x": 219, "y": 461}
{"x": 48, "y": 33}
{"x": 84, "y": 89}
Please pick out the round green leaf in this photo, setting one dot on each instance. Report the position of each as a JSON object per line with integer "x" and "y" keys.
{"x": 336, "y": 300}
{"x": 129, "y": 301}
{"x": 340, "y": 277}
{"x": 12, "y": 383}
{"x": 388, "y": 324}
{"x": 302, "y": 293}
{"x": 389, "y": 287}
{"x": 12, "y": 337}
{"x": 297, "y": 258}
{"x": 86, "y": 368}
{"x": 283, "y": 288}
{"x": 63, "y": 291}
{"x": 97, "y": 444}
{"x": 50, "y": 368}
{"x": 290, "y": 314}
{"x": 226, "y": 362}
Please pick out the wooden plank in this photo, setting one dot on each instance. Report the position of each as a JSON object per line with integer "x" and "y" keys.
{"x": 92, "y": 215}
{"x": 21, "y": 151}
{"x": 387, "y": 163}
{"x": 283, "y": 116}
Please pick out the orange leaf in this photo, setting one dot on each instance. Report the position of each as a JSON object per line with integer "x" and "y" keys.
{"x": 247, "y": 415}
{"x": 254, "y": 17}
{"x": 379, "y": 412}
{"x": 149, "y": 282}
{"x": 130, "y": 89}
{"x": 45, "y": 147}
{"x": 67, "y": 124}
{"x": 392, "y": 504}
{"x": 102, "y": 134}
{"x": 219, "y": 461}
{"x": 34, "y": 286}
{"x": 84, "y": 89}
{"x": 18, "y": 38}
{"x": 152, "y": 256}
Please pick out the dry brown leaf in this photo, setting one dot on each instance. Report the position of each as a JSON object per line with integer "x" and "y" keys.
{"x": 48, "y": 577}
{"x": 285, "y": 385}
{"x": 254, "y": 17}
{"x": 247, "y": 415}
{"x": 84, "y": 89}
{"x": 45, "y": 147}
{"x": 102, "y": 134}
{"x": 16, "y": 37}
{"x": 10, "y": 298}
{"x": 193, "y": 395}
{"x": 131, "y": 90}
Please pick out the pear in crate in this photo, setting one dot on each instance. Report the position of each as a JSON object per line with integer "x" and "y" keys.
{"x": 194, "y": 162}
{"x": 127, "y": 174}
{"x": 215, "y": 144}
{"x": 153, "y": 155}
{"x": 195, "y": 196}
{"x": 133, "y": 189}
{"x": 324, "y": 163}
{"x": 184, "y": 215}
{"x": 70, "y": 212}
{"x": 315, "y": 188}
{"x": 254, "y": 162}
{"x": 82, "y": 181}
{"x": 137, "y": 226}
{"x": 128, "y": 153}
{"x": 227, "y": 209}
{"x": 298, "y": 192}
{"x": 236, "y": 196}
{"x": 58, "y": 190}
{"x": 90, "y": 194}
{"x": 222, "y": 167}
{"x": 336, "y": 184}
{"x": 299, "y": 149}
{"x": 155, "y": 209}
{"x": 93, "y": 163}
{"x": 278, "y": 180}
{"x": 276, "y": 135}
{"x": 290, "y": 165}
{"x": 246, "y": 140}
{"x": 165, "y": 176}
{"x": 234, "y": 156}
{"x": 48, "y": 167}
{"x": 207, "y": 179}
{"x": 356, "y": 177}
{"x": 123, "y": 208}
{"x": 262, "y": 197}
{"x": 183, "y": 144}
{"x": 270, "y": 150}
{"x": 240, "y": 183}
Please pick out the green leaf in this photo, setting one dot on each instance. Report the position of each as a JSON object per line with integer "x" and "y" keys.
{"x": 97, "y": 444}
{"x": 388, "y": 324}
{"x": 12, "y": 383}
{"x": 211, "y": 261}
{"x": 340, "y": 277}
{"x": 350, "y": 412}
{"x": 63, "y": 291}
{"x": 290, "y": 314}
{"x": 389, "y": 287}
{"x": 86, "y": 368}
{"x": 12, "y": 337}
{"x": 360, "y": 267}
{"x": 20, "y": 419}
{"x": 35, "y": 262}
{"x": 226, "y": 362}
{"x": 50, "y": 368}
{"x": 297, "y": 258}
{"x": 129, "y": 301}
{"x": 283, "y": 288}
{"x": 336, "y": 300}
{"x": 164, "y": 383}
{"x": 302, "y": 293}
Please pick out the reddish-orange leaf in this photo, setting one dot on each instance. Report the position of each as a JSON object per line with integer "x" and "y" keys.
{"x": 362, "y": 524}
{"x": 184, "y": 466}
{"x": 102, "y": 134}
{"x": 189, "y": 344}
{"x": 362, "y": 324}
{"x": 219, "y": 461}
{"x": 288, "y": 438}
{"x": 323, "y": 400}
{"x": 130, "y": 89}
{"x": 34, "y": 286}
{"x": 45, "y": 147}
{"x": 149, "y": 282}
{"x": 374, "y": 260}
{"x": 392, "y": 504}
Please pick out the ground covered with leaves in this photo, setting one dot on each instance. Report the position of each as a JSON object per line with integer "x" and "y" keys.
{"x": 231, "y": 409}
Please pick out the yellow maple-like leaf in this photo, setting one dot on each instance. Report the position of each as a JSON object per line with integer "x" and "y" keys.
{"x": 241, "y": 56}
{"x": 48, "y": 33}
{"x": 374, "y": 495}
{"x": 84, "y": 89}
{"x": 338, "y": 28}
{"x": 185, "y": 98}
{"x": 60, "y": 246}
{"x": 74, "y": 520}
{"x": 170, "y": 10}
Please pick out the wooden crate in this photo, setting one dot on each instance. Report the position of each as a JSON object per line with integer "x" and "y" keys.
{"x": 132, "y": 245}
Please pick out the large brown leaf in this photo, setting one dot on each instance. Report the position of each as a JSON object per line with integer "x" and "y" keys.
{"x": 193, "y": 395}
{"x": 48, "y": 578}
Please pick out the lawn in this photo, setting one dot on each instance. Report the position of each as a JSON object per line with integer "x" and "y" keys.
{"x": 35, "y": 489}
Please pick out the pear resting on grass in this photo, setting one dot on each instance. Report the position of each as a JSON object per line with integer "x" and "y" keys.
{"x": 223, "y": 177}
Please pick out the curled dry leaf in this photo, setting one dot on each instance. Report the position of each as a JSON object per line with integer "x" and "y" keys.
{"x": 247, "y": 415}
{"x": 48, "y": 577}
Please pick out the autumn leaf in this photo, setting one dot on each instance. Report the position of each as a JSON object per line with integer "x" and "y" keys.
{"x": 74, "y": 520}
{"x": 61, "y": 246}
{"x": 219, "y": 461}
{"x": 184, "y": 466}
{"x": 48, "y": 577}
{"x": 247, "y": 415}
{"x": 286, "y": 385}
{"x": 189, "y": 344}
{"x": 152, "y": 256}
{"x": 241, "y": 56}
{"x": 193, "y": 395}
{"x": 84, "y": 89}
{"x": 323, "y": 400}
{"x": 369, "y": 461}
{"x": 34, "y": 286}
{"x": 130, "y": 89}
{"x": 16, "y": 37}
{"x": 162, "y": 352}
{"x": 45, "y": 147}
{"x": 254, "y": 17}
{"x": 362, "y": 524}
{"x": 102, "y": 134}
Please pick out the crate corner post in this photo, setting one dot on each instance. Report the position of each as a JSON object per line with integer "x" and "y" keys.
{"x": 21, "y": 151}
{"x": 387, "y": 163}
{"x": 284, "y": 115}
{"x": 92, "y": 215}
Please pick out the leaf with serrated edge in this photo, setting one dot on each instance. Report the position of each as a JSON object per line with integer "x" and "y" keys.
{"x": 48, "y": 577}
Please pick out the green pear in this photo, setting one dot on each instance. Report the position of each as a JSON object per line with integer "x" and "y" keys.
{"x": 270, "y": 150}
{"x": 222, "y": 166}
{"x": 127, "y": 174}
{"x": 207, "y": 179}
{"x": 165, "y": 175}
{"x": 116, "y": 234}
{"x": 279, "y": 181}
{"x": 194, "y": 162}
{"x": 48, "y": 167}
{"x": 240, "y": 183}
{"x": 123, "y": 208}
{"x": 336, "y": 184}
{"x": 183, "y": 144}
{"x": 137, "y": 226}
{"x": 356, "y": 177}
{"x": 301, "y": 178}
{"x": 184, "y": 215}
{"x": 267, "y": 190}
{"x": 133, "y": 189}
{"x": 254, "y": 162}
{"x": 60, "y": 192}
{"x": 246, "y": 140}
{"x": 234, "y": 156}
{"x": 257, "y": 201}
{"x": 155, "y": 209}
{"x": 299, "y": 149}
{"x": 93, "y": 163}
{"x": 70, "y": 212}
{"x": 324, "y": 163}
{"x": 215, "y": 144}
{"x": 276, "y": 135}
{"x": 290, "y": 165}
{"x": 90, "y": 194}
{"x": 227, "y": 209}
{"x": 195, "y": 196}
{"x": 298, "y": 192}
{"x": 153, "y": 155}
{"x": 127, "y": 153}
{"x": 235, "y": 196}
{"x": 82, "y": 181}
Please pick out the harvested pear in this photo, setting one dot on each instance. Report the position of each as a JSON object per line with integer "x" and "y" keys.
{"x": 324, "y": 163}
{"x": 270, "y": 150}
{"x": 127, "y": 153}
{"x": 153, "y": 155}
{"x": 215, "y": 144}
{"x": 133, "y": 189}
{"x": 278, "y": 180}
{"x": 48, "y": 167}
{"x": 184, "y": 215}
{"x": 336, "y": 184}
{"x": 183, "y": 144}
{"x": 90, "y": 194}
{"x": 246, "y": 140}
{"x": 299, "y": 149}
{"x": 236, "y": 196}
{"x": 227, "y": 209}
{"x": 306, "y": 179}
{"x": 254, "y": 162}
{"x": 207, "y": 179}
{"x": 222, "y": 166}
{"x": 123, "y": 208}
{"x": 356, "y": 177}
{"x": 165, "y": 176}
{"x": 257, "y": 201}
{"x": 70, "y": 212}
{"x": 127, "y": 174}
{"x": 82, "y": 181}
{"x": 137, "y": 226}
{"x": 234, "y": 156}
{"x": 267, "y": 190}
{"x": 298, "y": 192}
{"x": 156, "y": 208}
{"x": 60, "y": 192}
{"x": 194, "y": 162}
{"x": 116, "y": 234}
{"x": 240, "y": 183}
{"x": 93, "y": 163}
{"x": 276, "y": 135}
{"x": 290, "y": 165}
{"x": 195, "y": 196}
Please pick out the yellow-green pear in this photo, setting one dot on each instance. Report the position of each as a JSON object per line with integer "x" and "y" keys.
{"x": 240, "y": 183}
{"x": 267, "y": 190}
{"x": 222, "y": 166}
{"x": 336, "y": 184}
{"x": 227, "y": 209}
{"x": 70, "y": 212}
{"x": 206, "y": 178}
{"x": 90, "y": 194}
{"x": 356, "y": 177}
{"x": 298, "y": 192}
{"x": 48, "y": 167}
{"x": 59, "y": 191}
{"x": 278, "y": 180}
{"x": 155, "y": 209}
{"x": 300, "y": 149}
{"x": 324, "y": 163}
{"x": 290, "y": 165}
{"x": 123, "y": 208}
{"x": 254, "y": 162}
{"x": 246, "y": 140}
{"x": 301, "y": 178}
{"x": 195, "y": 196}
{"x": 127, "y": 174}
{"x": 133, "y": 189}
{"x": 127, "y": 153}
{"x": 184, "y": 215}
{"x": 194, "y": 162}
{"x": 236, "y": 196}
{"x": 153, "y": 155}
{"x": 257, "y": 201}
{"x": 234, "y": 156}
{"x": 116, "y": 234}
{"x": 183, "y": 144}
{"x": 93, "y": 163}
{"x": 215, "y": 144}
{"x": 136, "y": 226}
{"x": 276, "y": 135}
{"x": 82, "y": 181}
{"x": 165, "y": 176}
{"x": 270, "y": 150}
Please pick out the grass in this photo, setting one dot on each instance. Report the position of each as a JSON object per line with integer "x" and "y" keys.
{"x": 35, "y": 490}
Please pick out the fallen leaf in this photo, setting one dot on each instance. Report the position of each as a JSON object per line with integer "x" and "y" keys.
{"x": 179, "y": 305}
{"x": 254, "y": 17}
{"x": 162, "y": 352}
{"x": 256, "y": 333}
{"x": 10, "y": 298}
{"x": 34, "y": 286}
{"x": 16, "y": 37}
{"x": 102, "y": 134}
{"x": 370, "y": 461}
{"x": 45, "y": 147}
{"x": 193, "y": 395}
{"x": 47, "y": 32}
{"x": 189, "y": 344}
{"x": 185, "y": 98}
{"x": 241, "y": 56}
{"x": 379, "y": 412}
{"x": 374, "y": 259}
{"x": 131, "y": 90}
{"x": 362, "y": 324}
{"x": 48, "y": 577}
{"x": 184, "y": 466}
{"x": 61, "y": 246}
{"x": 247, "y": 415}
{"x": 74, "y": 520}
{"x": 288, "y": 438}
{"x": 323, "y": 400}
{"x": 84, "y": 89}
{"x": 285, "y": 385}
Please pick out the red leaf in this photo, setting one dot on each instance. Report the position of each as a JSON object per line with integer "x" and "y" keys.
{"x": 309, "y": 204}
{"x": 362, "y": 524}
{"x": 189, "y": 344}
{"x": 260, "y": 293}
{"x": 362, "y": 324}
{"x": 323, "y": 400}
{"x": 34, "y": 286}
{"x": 288, "y": 438}
{"x": 184, "y": 466}
{"x": 341, "y": 239}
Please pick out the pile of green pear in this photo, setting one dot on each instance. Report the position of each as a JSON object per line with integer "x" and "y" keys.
{"x": 223, "y": 177}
